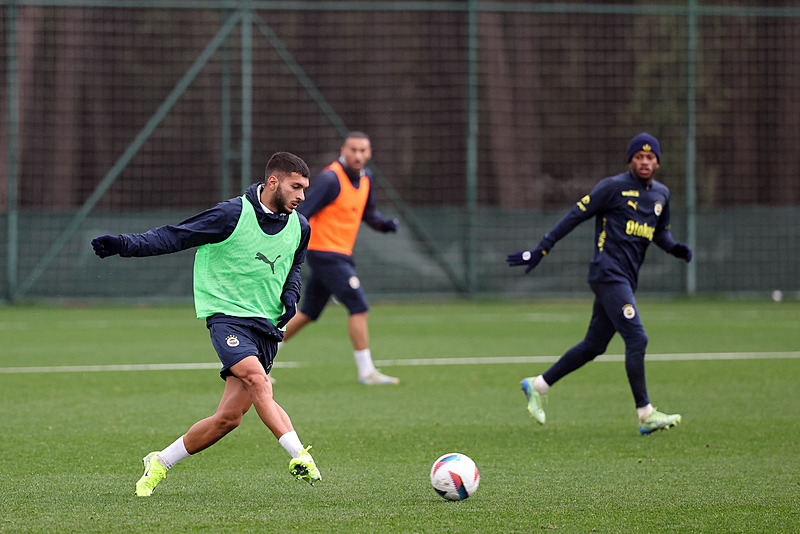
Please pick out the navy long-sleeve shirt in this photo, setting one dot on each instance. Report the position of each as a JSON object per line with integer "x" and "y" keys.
{"x": 215, "y": 225}
{"x": 628, "y": 216}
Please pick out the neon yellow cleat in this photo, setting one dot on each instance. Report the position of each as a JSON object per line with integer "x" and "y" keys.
{"x": 154, "y": 472}
{"x": 304, "y": 468}
{"x": 658, "y": 421}
{"x": 534, "y": 400}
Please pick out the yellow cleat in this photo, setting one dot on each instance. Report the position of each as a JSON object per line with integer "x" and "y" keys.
{"x": 304, "y": 468}
{"x": 154, "y": 472}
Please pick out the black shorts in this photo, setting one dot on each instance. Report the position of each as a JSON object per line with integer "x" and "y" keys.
{"x": 332, "y": 274}
{"x": 234, "y": 343}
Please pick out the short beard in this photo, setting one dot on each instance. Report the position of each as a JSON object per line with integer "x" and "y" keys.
{"x": 280, "y": 201}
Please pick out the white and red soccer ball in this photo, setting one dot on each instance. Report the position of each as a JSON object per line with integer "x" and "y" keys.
{"x": 455, "y": 476}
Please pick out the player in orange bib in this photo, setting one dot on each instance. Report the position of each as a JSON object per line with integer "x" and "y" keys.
{"x": 339, "y": 199}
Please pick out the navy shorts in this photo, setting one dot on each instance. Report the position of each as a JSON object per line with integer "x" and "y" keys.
{"x": 234, "y": 343}
{"x": 332, "y": 274}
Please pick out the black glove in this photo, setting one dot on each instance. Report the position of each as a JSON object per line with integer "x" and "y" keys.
{"x": 290, "y": 305}
{"x": 390, "y": 225}
{"x": 531, "y": 258}
{"x": 107, "y": 245}
{"x": 679, "y": 250}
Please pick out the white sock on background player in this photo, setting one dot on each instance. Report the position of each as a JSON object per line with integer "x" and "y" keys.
{"x": 364, "y": 362}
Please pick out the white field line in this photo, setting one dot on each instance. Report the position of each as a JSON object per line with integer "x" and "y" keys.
{"x": 136, "y": 367}
{"x": 496, "y": 360}
{"x": 604, "y": 358}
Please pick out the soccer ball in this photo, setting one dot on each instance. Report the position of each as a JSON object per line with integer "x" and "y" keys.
{"x": 455, "y": 476}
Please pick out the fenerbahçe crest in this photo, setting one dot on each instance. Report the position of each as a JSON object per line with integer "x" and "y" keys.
{"x": 657, "y": 208}
{"x": 628, "y": 311}
{"x": 232, "y": 341}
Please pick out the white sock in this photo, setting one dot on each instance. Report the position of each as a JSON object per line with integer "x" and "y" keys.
{"x": 540, "y": 385}
{"x": 364, "y": 362}
{"x": 291, "y": 443}
{"x": 644, "y": 412}
{"x": 173, "y": 454}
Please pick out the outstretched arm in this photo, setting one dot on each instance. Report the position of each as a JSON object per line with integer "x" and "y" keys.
{"x": 211, "y": 226}
{"x": 583, "y": 210}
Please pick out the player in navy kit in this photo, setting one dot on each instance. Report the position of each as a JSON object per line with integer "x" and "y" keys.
{"x": 630, "y": 210}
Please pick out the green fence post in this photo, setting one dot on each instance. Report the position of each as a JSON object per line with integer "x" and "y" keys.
{"x": 226, "y": 135}
{"x": 247, "y": 96}
{"x": 691, "y": 141}
{"x": 12, "y": 85}
{"x": 472, "y": 145}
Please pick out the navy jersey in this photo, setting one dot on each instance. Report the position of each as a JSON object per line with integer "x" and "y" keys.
{"x": 628, "y": 216}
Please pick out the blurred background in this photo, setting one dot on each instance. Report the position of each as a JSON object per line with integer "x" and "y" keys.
{"x": 488, "y": 121}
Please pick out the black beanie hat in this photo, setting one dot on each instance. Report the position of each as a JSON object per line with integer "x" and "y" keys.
{"x": 644, "y": 141}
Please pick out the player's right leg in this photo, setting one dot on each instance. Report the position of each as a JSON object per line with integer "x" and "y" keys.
{"x": 303, "y": 467}
{"x": 535, "y": 398}
{"x": 234, "y": 404}
{"x": 252, "y": 375}
{"x": 598, "y": 336}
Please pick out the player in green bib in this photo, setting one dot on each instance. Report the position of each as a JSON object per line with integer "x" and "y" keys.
{"x": 246, "y": 286}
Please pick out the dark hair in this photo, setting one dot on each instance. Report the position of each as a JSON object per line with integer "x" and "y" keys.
{"x": 286, "y": 163}
{"x": 356, "y": 135}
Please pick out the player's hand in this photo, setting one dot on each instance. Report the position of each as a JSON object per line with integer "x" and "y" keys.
{"x": 679, "y": 250}
{"x": 290, "y": 305}
{"x": 390, "y": 225}
{"x": 531, "y": 258}
{"x": 107, "y": 245}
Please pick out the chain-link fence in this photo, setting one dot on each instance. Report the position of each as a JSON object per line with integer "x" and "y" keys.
{"x": 488, "y": 121}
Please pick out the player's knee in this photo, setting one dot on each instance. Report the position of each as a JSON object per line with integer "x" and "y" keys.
{"x": 228, "y": 420}
{"x": 257, "y": 385}
{"x": 593, "y": 348}
{"x": 226, "y": 424}
{"x": 637, "y": 343}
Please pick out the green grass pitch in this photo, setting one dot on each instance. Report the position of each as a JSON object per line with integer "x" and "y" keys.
{"x": 72, "y": 440}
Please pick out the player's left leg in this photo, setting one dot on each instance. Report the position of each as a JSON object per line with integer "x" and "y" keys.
{"x": 620, "y": 304}
{"x": 251, "y": 372}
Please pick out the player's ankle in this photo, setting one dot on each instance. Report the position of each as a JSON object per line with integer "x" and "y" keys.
{"x": 540, "y": 385}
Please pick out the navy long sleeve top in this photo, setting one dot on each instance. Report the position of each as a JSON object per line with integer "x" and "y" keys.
{"x": 628, "y": 216}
